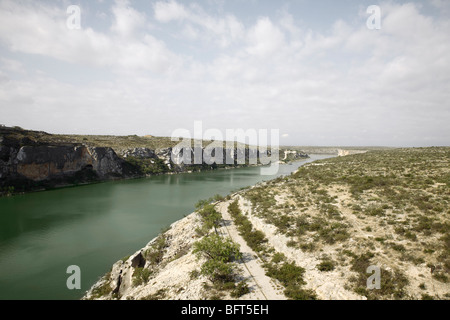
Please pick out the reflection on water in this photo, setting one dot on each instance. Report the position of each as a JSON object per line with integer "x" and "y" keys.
{"x": 93, "y": 226}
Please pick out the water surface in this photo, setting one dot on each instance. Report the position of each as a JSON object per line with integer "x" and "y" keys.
{"x": 93, "y": 226}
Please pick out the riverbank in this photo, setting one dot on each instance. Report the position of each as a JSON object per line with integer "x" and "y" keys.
{"x": 311, "y": 235}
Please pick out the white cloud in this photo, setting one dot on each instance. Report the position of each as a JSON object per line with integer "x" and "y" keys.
{"x": 127, "y": 20}
{"x": 12, "y": 65}
{"x": 441, "y": 4}
{"x": 39, "y": 29}
{"x": 347, "y": 85}
{"x": 223, "y": 31}
{"x": 265, "y": 38}
{"x": 169, "y": 11}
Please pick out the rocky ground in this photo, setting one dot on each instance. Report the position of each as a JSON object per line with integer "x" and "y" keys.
{"x": 311, "y": 235}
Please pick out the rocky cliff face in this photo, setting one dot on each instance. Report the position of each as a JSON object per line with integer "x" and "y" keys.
{"x": 27, "y": 161}
{"x": 141, "y": 153}
{"x": 185, "y": 159}
{"x": 28, "y": 164}
{"x": 39, "y": 163}
{"x": 45, "y": 163}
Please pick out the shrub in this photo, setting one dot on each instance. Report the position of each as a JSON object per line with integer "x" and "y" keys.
{"x": 326, "y": 265}
{"x": 216, "y": 248}
{"x": 217, "y": 271}
{"x": 210, "y": 217}
{"x": 159, "y": 295}
{"x": 362, "y": 262}
{"x": 240, "y": 290}
{"x": 278, "y": 257}
{"x": 102, "y": 291}
{"x": 291, "y": 277}
{"x": 141, "y": 276}
{"x": 219, "y": 253}
{"x": 440, "y": 276}
{"x": 254, "y": 238}
{"x": 288, "y": 273}
{"x": 296, "y": 293}
{"x": 156, "y": 253}
{"x": 374, "y": 211}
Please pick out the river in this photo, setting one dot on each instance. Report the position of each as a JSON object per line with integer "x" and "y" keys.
{"x": 93, "y": 226}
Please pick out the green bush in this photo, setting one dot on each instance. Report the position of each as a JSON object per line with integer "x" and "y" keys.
{"x": 326, "y": 265}
{"x": 210, "y": 217}
{"x": 141, "y": 276}
{"x": 291, "y": 277}
{"x": 156, "y": 253}
{"x": 362, "y": 262}
{"x": 240, "y": 290}
{"x": 220, "y": 253}
{"x": 216, "y": 248}
{"x": 296, "y": 293}
{"x": 217, "y": 271}
{"x": 288, "y": 273}
{"x": 254, "y": 238}
{"x": 103, "y": 290}
{"x": 278, "y": 257}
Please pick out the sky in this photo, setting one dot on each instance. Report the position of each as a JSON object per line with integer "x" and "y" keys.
{"x": 321, "y": 72}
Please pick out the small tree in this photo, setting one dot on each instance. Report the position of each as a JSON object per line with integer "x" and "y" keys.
{"x": 220, "y": 254}
{"x": 210, "y": 216}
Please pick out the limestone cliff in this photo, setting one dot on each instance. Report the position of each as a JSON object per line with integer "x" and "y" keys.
{"x": 32, "y": 160}
{"x": 27, "y": 165}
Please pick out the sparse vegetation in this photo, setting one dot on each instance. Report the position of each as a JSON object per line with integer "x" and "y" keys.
{"x": 240, "y": 289}
{"x": 254, "y": 238}
{"x": 291, "y": 277}
{"x": 326, "y": 265}
{"x": 393, "y": 204}
{"x": 103, "y": 290}
{"x": 155, "y": 254}
{"x": 159, "y": 295}
{"x": 141, "y": 276}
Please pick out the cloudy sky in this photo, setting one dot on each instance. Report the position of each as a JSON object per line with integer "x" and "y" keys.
{"x": 312, "y": 69}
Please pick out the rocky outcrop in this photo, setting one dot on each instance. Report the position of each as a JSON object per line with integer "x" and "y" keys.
{"x": 106, "y": 163}
{"x": 292, "y": 155}
{"x": 40, "y": 163}
{"x": 171, "y": 273}
{"x": 27, "y": 164}
{"x": 140, "y": 153}
{"x": 184, "y": 159}
{"x": 343, "y": 153}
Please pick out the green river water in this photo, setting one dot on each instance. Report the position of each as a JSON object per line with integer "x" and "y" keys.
{"x": 93, "y": 226}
